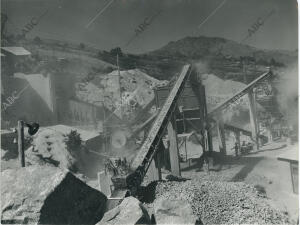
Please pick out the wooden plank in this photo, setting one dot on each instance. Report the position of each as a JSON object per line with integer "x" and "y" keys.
{"x": 173, "y": 148}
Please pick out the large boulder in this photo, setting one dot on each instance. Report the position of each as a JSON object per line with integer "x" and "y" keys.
{"x": 130, "y": 211}
{"x": 174, "y": 212}
{"x": 48, "y": 195}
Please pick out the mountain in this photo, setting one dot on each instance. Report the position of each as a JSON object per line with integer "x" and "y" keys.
{"x": 225, "y": 58}
{"x": 198, "y": 47}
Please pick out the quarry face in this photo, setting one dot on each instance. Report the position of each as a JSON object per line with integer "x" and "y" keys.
{"x": 130, "y": 112}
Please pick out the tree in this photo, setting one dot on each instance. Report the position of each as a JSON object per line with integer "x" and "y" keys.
{"x": 37, "y": 40}
{"x": 81, "y": 46}
{"x": 262, "y": 61}
{"x": 116, "y": 51}
{"x": 73, "y": 141}
{"x": 65, "y": 46}
{"x": 99, "y": 54}
{"x": 273, "y": 62}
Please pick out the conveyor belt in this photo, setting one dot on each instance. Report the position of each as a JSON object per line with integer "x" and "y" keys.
{"x": 145, "y": 155}
{"x": 239, "y": 94}
{"x": 149, "y": 148}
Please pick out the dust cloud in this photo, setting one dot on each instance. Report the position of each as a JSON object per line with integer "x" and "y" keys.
{"x": 287, "y": 94}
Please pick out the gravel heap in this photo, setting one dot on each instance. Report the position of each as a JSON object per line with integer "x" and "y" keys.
{"x": 222, "y": 202}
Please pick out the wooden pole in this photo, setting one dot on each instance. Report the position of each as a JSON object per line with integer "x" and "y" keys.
{"x": 173, "y": 148}
{"x": 237, "y": 135}
{"x": 221, "y": 136}
{"x": 209, "y": 144}
{"x": 155, "y": 168}
{"x": 154, "y": 171}
{"x": 244, "y": 71}
{"x": 253, "y": 120}
{"x": 120, "y": 91}
{"x": 209, "y": 136}
{"x": 184, "y": 130}
{"x": 21, "y": 142}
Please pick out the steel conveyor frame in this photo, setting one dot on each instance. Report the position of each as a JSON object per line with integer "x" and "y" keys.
{"x": 149, "y": 148}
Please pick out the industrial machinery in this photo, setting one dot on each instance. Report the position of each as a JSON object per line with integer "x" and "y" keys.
{"x": 134, "y": 175}
{"x": 239, "y": 94}
{"x": 150, "y": 146}
{"x": 118, "y": 169}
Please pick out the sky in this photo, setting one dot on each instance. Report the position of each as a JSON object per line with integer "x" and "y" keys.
{"x": 117, "y": 20}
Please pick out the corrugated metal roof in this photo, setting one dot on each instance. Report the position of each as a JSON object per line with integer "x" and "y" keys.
{"x": 16, "y": 50}
{"x": 291, "y": 155}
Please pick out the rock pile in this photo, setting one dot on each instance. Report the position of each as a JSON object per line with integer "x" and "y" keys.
{"x": 137, "y": 89}
{"x": 222, "y": 202}
{"x": 174, "y": 212}
{"x": 130, "y": 211}
{"x": 48, "y": 195}
{"x": 49, "y": 148}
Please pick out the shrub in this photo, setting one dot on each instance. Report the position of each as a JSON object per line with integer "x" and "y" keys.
{"x": 81, "y": 46}
{"x": 37, "y": 40}
{"x": 73, "y": 141}
{"x": 116, "y": 51}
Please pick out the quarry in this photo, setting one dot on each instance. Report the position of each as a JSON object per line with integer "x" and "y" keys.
{"x": 203, "y": 130}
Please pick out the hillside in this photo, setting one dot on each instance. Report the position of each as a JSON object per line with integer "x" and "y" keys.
{"x": 89, "y": 74}
{"x": 224, "y": 58}
{"x": 197, "y": 47}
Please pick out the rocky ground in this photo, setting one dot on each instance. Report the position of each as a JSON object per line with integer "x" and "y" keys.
{"x": 222, "y": 202}
{"x": 254, "y": 188}
{"x": 251, "y": 189}
{"x": 260, "y": 169}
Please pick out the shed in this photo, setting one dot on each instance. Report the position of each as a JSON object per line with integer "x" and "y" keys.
{"x": 292, "y": 157}
{"x": 13, "y": 55}
{"x": 17, "y": 51}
